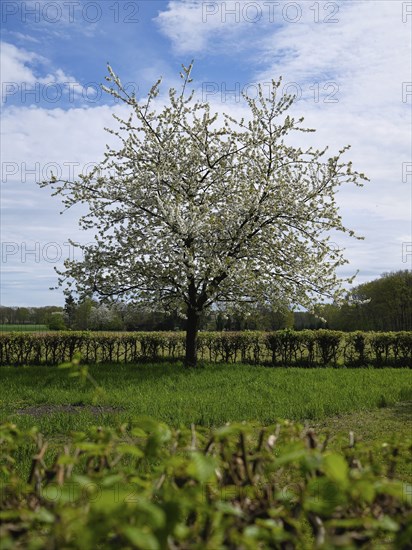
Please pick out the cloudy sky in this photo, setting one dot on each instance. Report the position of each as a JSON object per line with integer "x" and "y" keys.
{"x": 349, "y": 63}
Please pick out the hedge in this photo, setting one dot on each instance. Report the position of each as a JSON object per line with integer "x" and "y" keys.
{"x": 145, "y": 486}
{"x": 306, "y": 348}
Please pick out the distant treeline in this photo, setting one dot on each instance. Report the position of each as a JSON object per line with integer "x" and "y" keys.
{"x": 384, "y": 304}
{"x": 29, "y": 315}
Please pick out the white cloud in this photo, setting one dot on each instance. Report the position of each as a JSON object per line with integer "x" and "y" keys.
{"x": 40, "y": 140}
{"x": 15, "y": 64}
{"x": 367, "y": 55}
{"x": 21, "y": 68}
{"x": 21, "y": 36}
{"x": 367, "y": 52}
{"x": 195, "y": 26}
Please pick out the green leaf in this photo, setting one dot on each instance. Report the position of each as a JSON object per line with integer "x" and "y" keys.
{"x": 336, "y": 468}
{"x": 141, "y": 539}
{"x": 129, "y": 450}
{"x": 201, "y": 467}
{"x": 110, "y": 480}
{"x": 45, "y": 516}
{"x": 229, "y": 509}
{"x": 292, "y": 457}
{"x": 363, "y": 490}
{"x": 323, "y": 496}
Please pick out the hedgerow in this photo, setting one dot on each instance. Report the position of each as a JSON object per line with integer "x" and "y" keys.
{"x": 145, "y": 486}
{"x": 308, "y": 348}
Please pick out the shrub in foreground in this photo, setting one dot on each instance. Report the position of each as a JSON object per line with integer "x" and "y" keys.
{"x": 148, "y": 487}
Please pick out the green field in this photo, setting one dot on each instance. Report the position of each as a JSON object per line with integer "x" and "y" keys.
{"x": 209, "y": 396}
{"x": 375, "y": 404}
{"x": 24, "y": 328}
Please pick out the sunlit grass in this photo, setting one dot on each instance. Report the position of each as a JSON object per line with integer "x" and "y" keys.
{"x": 207, "y": 396}
{"x": 333, "y": 400}
{"x": 23, "y": 328}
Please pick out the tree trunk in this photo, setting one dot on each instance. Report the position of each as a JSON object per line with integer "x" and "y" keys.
{"x": 192, "y": 328}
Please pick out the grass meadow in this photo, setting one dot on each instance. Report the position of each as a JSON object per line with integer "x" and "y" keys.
{"x": 24, "y": 328}
{"x": 209, "y": 396}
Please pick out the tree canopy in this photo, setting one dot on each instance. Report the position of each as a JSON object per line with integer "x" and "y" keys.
{"x": 197, "y": 208}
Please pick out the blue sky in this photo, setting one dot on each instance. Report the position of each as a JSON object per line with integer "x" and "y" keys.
{"x": 348, "y": 62}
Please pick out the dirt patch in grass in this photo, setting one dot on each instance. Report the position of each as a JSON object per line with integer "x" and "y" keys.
{"x": 387, "y": 424}
{"x": 41, "y": 410}
{"x": 383, "y": 424}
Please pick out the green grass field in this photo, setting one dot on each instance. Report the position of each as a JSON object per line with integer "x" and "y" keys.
{"x": 209, "y": 396}
{"x": 374, "y": 403}
{"x": 24, "y": 328}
